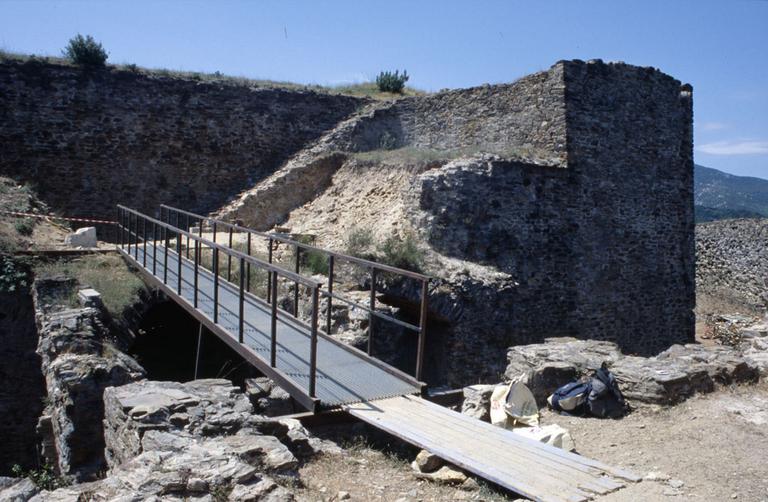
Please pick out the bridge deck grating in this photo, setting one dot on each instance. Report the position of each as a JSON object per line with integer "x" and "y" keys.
{"x": 342, "y": 376}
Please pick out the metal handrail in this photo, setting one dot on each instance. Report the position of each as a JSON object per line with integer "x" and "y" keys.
{"x": 277, "y": 237}
{"x": 229, "y": 251}
{"x": 124, "y": 216}
{"x": 374, "y": 267}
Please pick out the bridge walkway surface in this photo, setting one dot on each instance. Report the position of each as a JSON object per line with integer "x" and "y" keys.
{"x": 323, "y": 373}
{"x": 343, "y": 374}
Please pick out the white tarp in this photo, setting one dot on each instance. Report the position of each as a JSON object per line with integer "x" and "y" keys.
{"x": 514, "y": 407}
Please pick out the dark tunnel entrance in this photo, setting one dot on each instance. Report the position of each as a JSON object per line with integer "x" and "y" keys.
{"x": 166, "y": 346}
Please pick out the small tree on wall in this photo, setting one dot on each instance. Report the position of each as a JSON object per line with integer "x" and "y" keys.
{"x": 392, "y": 81}
{"x": 85, "y": 51}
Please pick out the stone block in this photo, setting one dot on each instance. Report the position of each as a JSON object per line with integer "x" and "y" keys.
{"x": 89, "y": 297}
{"x": 82, "y": 238}
{"x": 477, "y": 401}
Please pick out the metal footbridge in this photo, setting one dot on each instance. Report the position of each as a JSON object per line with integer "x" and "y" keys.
{"x": 272, "y": 317}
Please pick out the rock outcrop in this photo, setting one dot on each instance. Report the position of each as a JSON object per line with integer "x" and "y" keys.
{"x": 194, "y": 440}
{"x": 668, "y": 378}
{"x": 79, "y": 361}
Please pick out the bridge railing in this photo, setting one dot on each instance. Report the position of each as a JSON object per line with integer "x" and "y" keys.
{"x": 138, "y": 230}
{"x": 186, "y": 219}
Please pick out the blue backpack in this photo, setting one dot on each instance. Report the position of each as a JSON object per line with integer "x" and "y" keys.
{"x": 571, "y": 398}
{"x": 598, "y": 396}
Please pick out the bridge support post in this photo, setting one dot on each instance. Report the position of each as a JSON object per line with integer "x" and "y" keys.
{"x": 313, "y": 346}
{"x": 422, "y": 329}
{"x": 144, "y": 242}
{"x": 240, "y": 320}
{"x": 371, "y": 315}
{"x": 248, "y": 266}
{"x": 296, "y": 285}
{"x": 216, "y": 285}
{"x": 165, "y": 256}
{"x": 229, "y": 257}
{"x": 269, "y": 283}
{"x": 179, "y": 258}
{"x": 273, "y": 346}
{"x": 330, "y": 294}
{"x": 199, "y": 344}
{"x": 154, "y": 248}
{"x": 136, "y": 245}
{"x": 197, "y": 268}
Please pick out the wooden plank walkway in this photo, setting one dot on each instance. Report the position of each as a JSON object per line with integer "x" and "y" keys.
{"x": 530, "y": 468}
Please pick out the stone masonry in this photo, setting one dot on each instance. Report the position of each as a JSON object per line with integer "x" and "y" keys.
{"x": 583, "y": 218}
{"x": 90, "y": 139}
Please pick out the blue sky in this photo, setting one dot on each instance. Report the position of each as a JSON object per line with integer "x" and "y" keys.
{"x": 721, "y": 47}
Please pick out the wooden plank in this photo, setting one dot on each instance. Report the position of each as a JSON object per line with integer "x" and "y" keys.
{"x": 593, "y": 482}
{"x": 619, "y": 473}
{"x": 501, "y": 448}
{"x": 482, "y": 469}
{"x": 550, "y": 473}
{"x": 525, "y": 466}
{"x": 542, "y": 450}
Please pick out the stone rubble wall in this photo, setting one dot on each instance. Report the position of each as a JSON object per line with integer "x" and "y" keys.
{"x": 602, "y": 249}
{"x": 732, "y": 261}
{"x": 526, "y": 116}
{"x": 194, "y": 440}
{"x": 90, "y": 139}
{"x": 665, "y": 379}
{"x": 79, "y": 361}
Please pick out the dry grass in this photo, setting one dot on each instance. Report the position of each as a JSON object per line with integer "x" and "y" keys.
{"x": 368, "y": 89}
{"x": 107, "y": 274}
{"x": 373, "y": 471}
{"x": 419, "y": 156}
{"x": 371, "y": 90}
{"x": 18, "y": 233}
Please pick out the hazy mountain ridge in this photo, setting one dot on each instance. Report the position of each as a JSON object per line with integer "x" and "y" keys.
{"x": 719, "y": 195}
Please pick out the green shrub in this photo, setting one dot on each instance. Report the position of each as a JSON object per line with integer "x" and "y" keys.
{"x": 85, "y": 51}
{"x": 388, "y": 81}
{"x": 314, "y": 261}
{"x": 359, "y": 241}
{"x": 44, "y": 478}
{"x": 23, "y": 227}
{"x": 13, "y": 277}
{"x": 402, "y": 252}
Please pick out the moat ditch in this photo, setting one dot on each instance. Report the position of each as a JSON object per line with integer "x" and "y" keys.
{"x": 22, "y": 388}
{"x": 167, "y": 343}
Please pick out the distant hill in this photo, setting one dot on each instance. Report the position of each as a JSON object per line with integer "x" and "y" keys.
{"x": 719, "y": 195}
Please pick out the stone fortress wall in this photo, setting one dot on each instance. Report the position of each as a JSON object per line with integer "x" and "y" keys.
{"x": 91, "y": 139}
{"x": 590, "y": 212}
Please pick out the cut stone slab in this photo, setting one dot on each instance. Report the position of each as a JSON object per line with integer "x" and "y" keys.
{"x": 82, "y": 237}
{"x": 89, "y": 297}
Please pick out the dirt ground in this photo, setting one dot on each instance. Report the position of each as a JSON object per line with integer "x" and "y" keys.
{"x": 711, "y": 448}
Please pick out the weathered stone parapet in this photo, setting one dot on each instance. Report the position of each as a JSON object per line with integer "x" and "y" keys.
{"x": 668, "y": 378}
